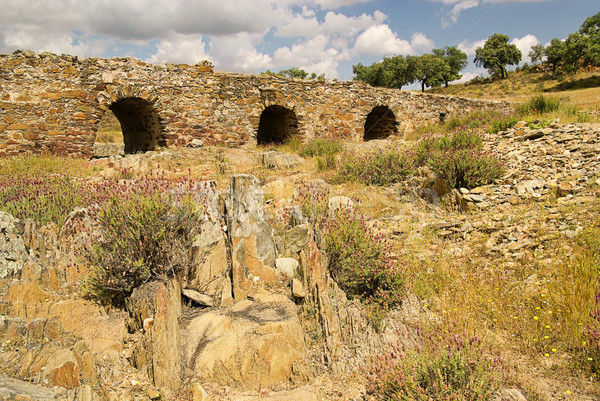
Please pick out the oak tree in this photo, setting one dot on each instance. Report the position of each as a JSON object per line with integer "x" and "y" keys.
{"x": 496, "y": 54}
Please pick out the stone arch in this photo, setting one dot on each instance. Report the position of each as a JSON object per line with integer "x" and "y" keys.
{"x": 277, "y": 123}
{"x": 380, "y": 123}
{"x": 140, "y": 124}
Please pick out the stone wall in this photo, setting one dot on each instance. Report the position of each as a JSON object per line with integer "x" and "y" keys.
{"x": 52, "y": 103}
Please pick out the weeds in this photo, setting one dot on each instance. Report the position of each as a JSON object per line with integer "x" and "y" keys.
{"x": 465, "y": 168}
{"x": 448, "y": 367}
{"x": 458, "y": 160}
{"x": 540, "y": 104}
{"x": 324, "y": 150}
{"x": 377, "y": 168}
{"x": 144, "y": 237}
{"x": 359, "y": 262}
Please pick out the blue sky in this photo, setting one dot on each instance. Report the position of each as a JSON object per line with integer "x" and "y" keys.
{"x": 323, "y": 36}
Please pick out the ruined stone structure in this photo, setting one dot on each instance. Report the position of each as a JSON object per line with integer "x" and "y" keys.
{"x": 52, "y": 103}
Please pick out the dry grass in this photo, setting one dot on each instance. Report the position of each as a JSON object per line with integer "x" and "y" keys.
{"x": 109, "y": 137}
{"x": 536, "y": 305}
{"x": 582, "y": 90}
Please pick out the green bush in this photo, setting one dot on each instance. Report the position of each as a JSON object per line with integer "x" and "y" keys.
{"x": 460, "y": 140}
{"x": 465, "y": 168}
{"x": 144, "y": 237}
{"x": 446, "y": 368}
{"x": 360, "y": 262}
{"x": 503, "y": 124}
{"x": 540, "y": 105}
{"x": 377, "y": 168}
{"x": 44, "y": 199}
{"x": 293, "y": 143}
{"x": 321, "y": 147}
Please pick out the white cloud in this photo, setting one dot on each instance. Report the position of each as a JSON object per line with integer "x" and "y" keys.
{"x": 313, "y": 55}
{"x": 466, "y": 77}
{"x": 330, "y": 4}
{"x": 58, "y": 43}
{"x": 525, "y": 44}
{"x": 470, "y": 47}
{"x": 421, "y": 43}
{"x": 178, "y": 48}
{"x": 238, "y": 53}
{"x": 308, "y": 26}
{"x": 451, "y": 16}
{"x": 379, "y": 40}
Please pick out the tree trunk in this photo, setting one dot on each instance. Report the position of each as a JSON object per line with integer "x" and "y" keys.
{"x": 423, "y": 86}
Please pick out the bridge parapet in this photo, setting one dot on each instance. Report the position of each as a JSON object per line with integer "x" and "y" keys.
{"x": 52, "y": 103}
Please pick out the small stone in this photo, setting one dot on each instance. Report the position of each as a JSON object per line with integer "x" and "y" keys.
{"x": 287, "y": 266}
{"x": 564, "y": 189}
{"x": 477, "y": 198}
{"x": 464, "y": 191}
{"x": 195, "y": 143}
{"x": 530, "y": 136}
{"x": 198, "y": 297}
{"x": 298, "y": 290}
{"x": 148, "y": 323}
{"x": 199, "y": 394}
{"x": 340, "y": 202}
{"x": 483, "y": 205}
{"x": 153, "y": 394}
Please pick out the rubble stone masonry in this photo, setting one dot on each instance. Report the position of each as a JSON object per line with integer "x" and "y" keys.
{"x": 51, "y": 103}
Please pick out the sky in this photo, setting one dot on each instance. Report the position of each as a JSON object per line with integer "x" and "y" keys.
{"x": 250, "y": 36}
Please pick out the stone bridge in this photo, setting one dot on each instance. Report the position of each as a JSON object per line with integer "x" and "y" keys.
{"x": 51, "y": 103}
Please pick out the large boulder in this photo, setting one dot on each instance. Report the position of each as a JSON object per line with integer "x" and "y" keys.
{"x": 253, "y": 343}
{"x": 281, "y": 161}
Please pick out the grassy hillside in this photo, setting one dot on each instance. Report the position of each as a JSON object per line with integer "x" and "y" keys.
{"x": 582, "y": 90}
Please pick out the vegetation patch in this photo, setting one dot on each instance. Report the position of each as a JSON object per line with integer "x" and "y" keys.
{"x": 145, "y": 237}
{"x": 374, "y": 168}
{"x": 448, "y": 367}
{"x": 324, "y": 150}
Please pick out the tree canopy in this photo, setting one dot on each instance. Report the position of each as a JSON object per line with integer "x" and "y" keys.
{"x": 430, "y": 70}
{"x": 536, "y": 54}
{"x": 296, "y": 72}
{"x": 391, "y": 72}
{"x": 456, "y": 60}
{"x": 496, "y": 54}
{"x": 443, "y": 66}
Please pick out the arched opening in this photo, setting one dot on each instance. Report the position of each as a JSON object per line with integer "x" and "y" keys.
{"x": 139, "y": 124}
{"x": 276, "y": 125}
{"x": 381, "y": 123}
{"x": 109, "y": 137}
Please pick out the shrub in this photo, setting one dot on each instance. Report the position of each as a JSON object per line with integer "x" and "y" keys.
{"x": 321, "y": 147}
{"x": 313, "y": 202}
{"x": 503, "y": 124}
{"x": 50, "y": 198}
{"x": 144, "y": 237}
{"x": 460, "y": 140}
{"x": 377, "y": 168}
{"x": 43, "y": 199}
{"x": 540, "y": 104}
{"x": 325, "y": 162}
{"x": 360, "y": 262}
{"x": 293, "y": 143}
{"x": 465, "y": 168}
{"x": 452, "y": 367}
